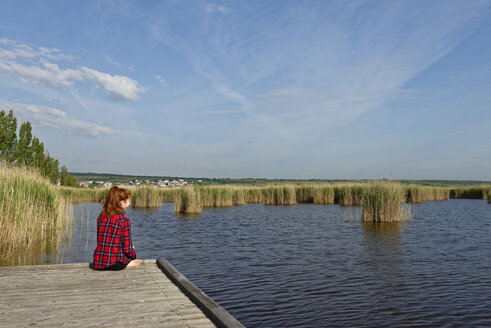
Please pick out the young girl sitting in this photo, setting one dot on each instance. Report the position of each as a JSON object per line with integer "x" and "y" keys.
{"x": 115, "y": 249}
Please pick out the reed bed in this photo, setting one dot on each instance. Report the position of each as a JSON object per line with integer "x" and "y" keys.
{"x": 381, "y": 202}
{"x": 349, "y": 194}
{"x": 216, "y": 196}
{"x": 145, "y": 197}
{"x": 254, "y": 195}
{"x": 238, "y": 196}
{"x": 418, "y": 194}
{"x": 167, "y": 195}
{"x": 323, "y": 194}
{"x": 280, "y": 195}
{"x": 33, "y": 214}
{"x": 489, "y": 198}
{"x": 81, "y": 195}
{"x": 479, "y": 192}
{"x": 188, "y": 201}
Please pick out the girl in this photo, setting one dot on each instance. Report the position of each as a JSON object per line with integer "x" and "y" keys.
{"x": 115, "y": 249}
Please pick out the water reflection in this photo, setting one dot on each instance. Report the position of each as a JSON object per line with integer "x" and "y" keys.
{"x": 385, "y": 260}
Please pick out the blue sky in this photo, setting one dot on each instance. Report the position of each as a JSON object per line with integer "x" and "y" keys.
{"x": 275, "y": 89}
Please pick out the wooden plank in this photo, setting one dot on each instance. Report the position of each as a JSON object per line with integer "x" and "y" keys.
{"x": 219, "y": 315}
{"x": 74, "y": 295}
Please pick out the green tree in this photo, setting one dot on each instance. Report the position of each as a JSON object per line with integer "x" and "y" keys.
{"x": 63, "y": 176}
{"x": 24, "y": 149}
{"x": 8, "y": 136}
{"x": 37, "y": 153}
{"x": 72, "y": 181}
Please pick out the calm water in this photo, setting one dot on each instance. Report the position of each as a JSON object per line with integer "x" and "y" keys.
{"x": 319, "y": 266}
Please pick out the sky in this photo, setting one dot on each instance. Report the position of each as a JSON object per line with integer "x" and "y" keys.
{"x": 261, "y": 89}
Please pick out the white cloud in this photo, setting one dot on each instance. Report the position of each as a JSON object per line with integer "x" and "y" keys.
{"x": 160, "y": 79}
{"x": 118, "y": 86}
{"x": 111, "y": 61}
{"x": 56, "y": 119}
{"x": 50, "y": 74}
{"x": 212, "y": 8}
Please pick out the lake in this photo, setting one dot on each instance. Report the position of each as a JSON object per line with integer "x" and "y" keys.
{"x": 319, "y": 265}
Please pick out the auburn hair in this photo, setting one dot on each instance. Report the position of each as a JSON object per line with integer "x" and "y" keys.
{"x": 112, "y": 206}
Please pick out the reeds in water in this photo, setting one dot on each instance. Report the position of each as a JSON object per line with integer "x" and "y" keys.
{"x": 145, "y": 197}
{"x": 479, "y": 192}
{"x": 167, "y": 195}
{"x": 315, "y": 194}
{"x": 349, "y": 194}
{"x": 489, "y": 198}
{"x": 32, "y": 211}
{"x": 216, "y": 196}
{"x": 280, "y": 195}
{"x": 82, "y": 195}
{"x": 381, "y": 202}
{"x": 188, "y": 201}
{"x": 418, "y": 194}
{"x": 254, "y": 195}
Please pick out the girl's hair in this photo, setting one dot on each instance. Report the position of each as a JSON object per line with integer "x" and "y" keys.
{"x": 112, "y": 206}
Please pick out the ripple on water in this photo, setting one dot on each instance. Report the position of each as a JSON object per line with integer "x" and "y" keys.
{"x": 317, "y": 266}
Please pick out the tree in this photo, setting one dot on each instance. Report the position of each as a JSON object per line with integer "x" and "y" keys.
{"x": 63, "y": 176}
{"x": 37, "y": 153}
{"x": 24, "y": 149}
{"x": 8, "y": 136}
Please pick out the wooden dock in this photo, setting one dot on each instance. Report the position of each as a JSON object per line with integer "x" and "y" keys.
{"x": 153, "y": 295}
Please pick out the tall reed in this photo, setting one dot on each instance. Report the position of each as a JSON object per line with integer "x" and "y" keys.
{"x": 254, "y": 195}
{"x": 489, "y": 198}
{"x": 280, "y": 195}
{"x": 418, "y": 194}
{"x": 32, "y": 212}
{"x": 188, "y": 201}
{"x": 479, "y": 192}
{"x": 315, "y": 194}
{"x": 216, "y": 196}
{"x": 349, "y": 194}
{"x": 381, "y": 202}
{"x": 324, "y": 195}
{"x": 167, "y": 195}
{"x": 238, "y": 196}
{"x": 145, "y": 197}
{"x": 83, "y": 195}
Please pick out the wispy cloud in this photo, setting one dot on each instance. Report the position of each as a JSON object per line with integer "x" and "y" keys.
{"x": 111, "y": 61}
{"x": 13, "y": 55}
{"x": 221, "y": 112}
{"x": 306, "y": 71}
{"x": 160, "y": 79}
{"x": 214, "y": 8}
{"x": 56, "y": 119}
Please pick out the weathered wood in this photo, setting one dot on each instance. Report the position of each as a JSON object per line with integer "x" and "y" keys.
{"x": 219, "y": 315}
{"x": 75, "y": 295}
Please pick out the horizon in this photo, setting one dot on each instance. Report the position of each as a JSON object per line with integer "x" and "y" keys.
{"x": 259, "y": 178}
{"x": 287, "y": 90}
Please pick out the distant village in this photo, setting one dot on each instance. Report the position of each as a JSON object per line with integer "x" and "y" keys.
{"x": 136, "y": 183}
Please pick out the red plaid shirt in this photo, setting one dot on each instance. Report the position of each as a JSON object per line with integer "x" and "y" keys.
{"x": 113, "y": 241}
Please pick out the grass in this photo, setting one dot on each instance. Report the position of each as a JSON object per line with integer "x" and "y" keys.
{"x": 381, "y": 202}
{"x": 418, "y": 194}
{"x": 343, "y": 193}
{"x": 349, "y": 194}
{"x": 279, "y": 195}
{"x": 145, "y": 197}
{"x": 33, "y": 213}
{"x": 478, "y": 192}
{"x": 188, "y": 201}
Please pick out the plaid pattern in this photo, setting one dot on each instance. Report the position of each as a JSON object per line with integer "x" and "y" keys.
{"x": 113, "y": 241}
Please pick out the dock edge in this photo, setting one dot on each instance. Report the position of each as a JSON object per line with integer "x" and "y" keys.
{"x": 219, "y": 315}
